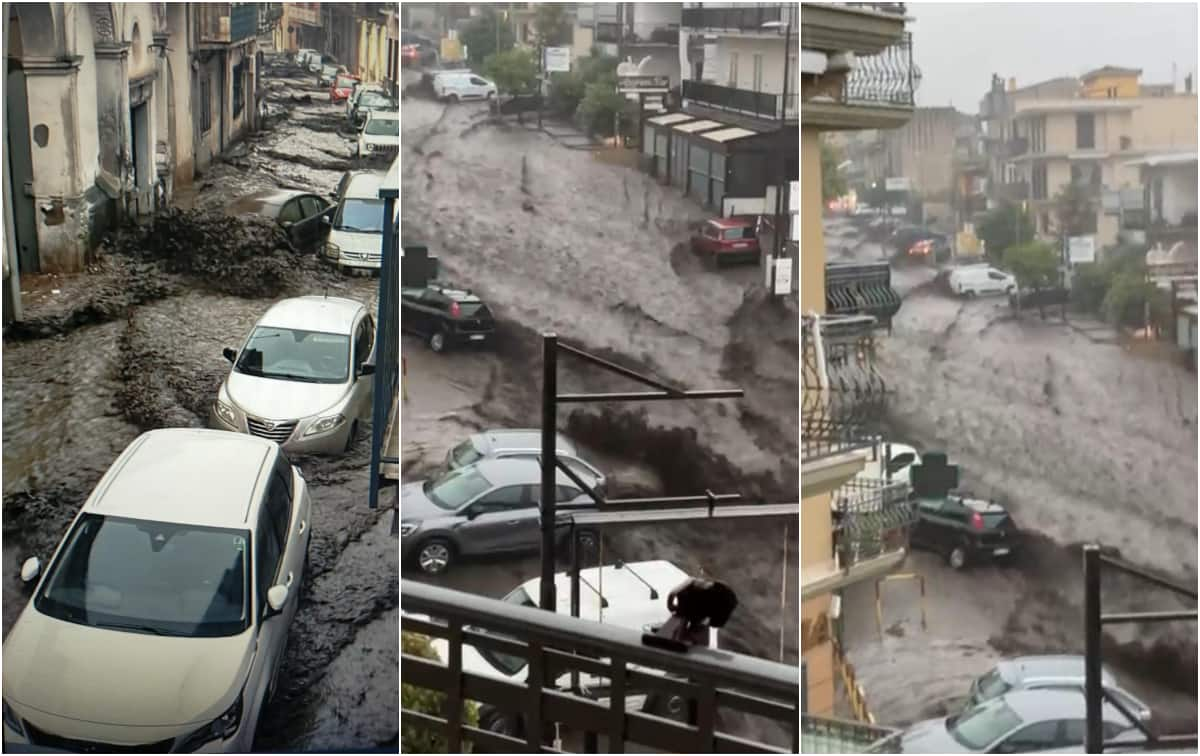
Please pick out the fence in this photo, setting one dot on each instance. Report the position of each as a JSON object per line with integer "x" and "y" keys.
{"x": 842, "y": 394}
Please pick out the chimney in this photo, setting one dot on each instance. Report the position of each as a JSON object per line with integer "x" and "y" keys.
{"x": 1012, "y": 84}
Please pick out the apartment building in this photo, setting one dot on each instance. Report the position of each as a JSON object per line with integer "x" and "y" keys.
{"x": 842, "y": 392}
{"x": 646, "y": 34}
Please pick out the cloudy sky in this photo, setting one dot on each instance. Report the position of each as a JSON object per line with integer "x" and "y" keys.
{"x": 958, "y": 46}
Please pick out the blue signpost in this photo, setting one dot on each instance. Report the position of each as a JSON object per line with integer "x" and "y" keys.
{"x": 387, "y": 337}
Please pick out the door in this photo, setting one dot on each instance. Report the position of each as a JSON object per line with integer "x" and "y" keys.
{"x": 291, "y": 217}
{"x": 929, "y": 530}
{"x": 310, "y": 232}
{"x": 497, "y": 523}
{"x": 1035, "y": 738}
{"x": 364, "y": 341}
{"x": 20, "y": 170}
{"x": 996, "y": 281}
{"x": 479, "y": 87}
{"x": 269, "y": 570}
{"x": 143, "y": 163}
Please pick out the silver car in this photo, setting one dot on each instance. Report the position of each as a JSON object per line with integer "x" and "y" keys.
{"x": 1047, "y": 671}
{"x": 490, "y": 507}
{"x": 503, "y": 443}
{"x": 1021, "y": 721}
{"x": 303, "y": 376}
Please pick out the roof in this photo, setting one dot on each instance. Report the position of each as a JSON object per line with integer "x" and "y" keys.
{"x": 1110, "y": 71}
{"x": 390, "y": 188}
{"x": 313, "y": 313}
{"x": 1074, "y": 105}
{"x": 1164, "y": 158}
{"x": 515, "y": 471}
{"x": 669, "y": 118}
{"x": 731, "y": 222}
{"x": 729, "y": 134}
{"x": 259, "y": 201}
{"x": 517, "y": 438}
{"x": 365, "y": 184}
{"x": 383, "y": 115}
{"x": 458, "y": 295}
{"x": 1058, "y": 666}
{"x": 1052, "y": 703}
{"x": 694, "y": 126}
{"x": 628, "y": 597}
{"x": 186, "y": 475}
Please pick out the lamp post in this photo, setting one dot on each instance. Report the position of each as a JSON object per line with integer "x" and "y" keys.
{"x": 777, "y": 246}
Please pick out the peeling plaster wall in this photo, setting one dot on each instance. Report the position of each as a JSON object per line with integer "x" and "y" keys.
{"x": 180, "y": 111}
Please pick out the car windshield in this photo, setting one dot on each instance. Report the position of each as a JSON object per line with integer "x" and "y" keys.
{"x": 509, "y": 664}
{"x": 364, "y": 215}
{"x": 992, "y": 685}
{"x": 376, "y": 101}
{"x": 465, "y": 454}
{"x": 151, "y": 577}
{"x": 733, "y": 234}
{"x": 983, "y": 725}
{"x": 295, "y": 355}
{"x": 456, "y": 488}
{"x": 343, "y": 82}
{"x": 383, "y": 127}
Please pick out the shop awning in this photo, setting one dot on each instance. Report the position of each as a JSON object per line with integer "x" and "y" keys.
{"x": 669, "y": 119}
{"x": 694, "y": 126}
{"x": 728, "y": 134}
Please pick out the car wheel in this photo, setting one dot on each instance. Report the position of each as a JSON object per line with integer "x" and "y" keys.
{"x": 435, "y": 556}
{"x": 498, "y": 722}
{"x": 452, "y": 99}
{"x": 957, "y": 558}
{"x": 437, "y": 341}
{"x": 969, "y": 294}
{"x": 351, "y": 436}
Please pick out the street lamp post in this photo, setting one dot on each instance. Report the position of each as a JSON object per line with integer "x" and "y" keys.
{"x": 777, "y": 246}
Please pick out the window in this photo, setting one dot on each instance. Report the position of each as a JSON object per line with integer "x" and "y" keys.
{"x": 290, "y": 213}
{"x": 268, "y": 551}
{"x": 238, "y": 93}
{"x": 981, "y": 726}
{"x": 283, "y": 469}
{"x": 288, "y": 354}
{"x": 1085, "y": 131}
{"x": 1126, "y": 143}
{"x": 758, "y": 72}
{"x": 1032, "y": 739}
{"x": 502, "y": 499}
{"x": 205, "y": 104}
{"x": 733, "y": 69}
{"x": 478, "y": 81}
{"x": 279, "y": 508}
{"x": 362, "y": 343}
{"x": 1039, "y": 181}
{"x": 310, "y": 206}
{"x": 1075, "y": 730}
{"x": 567, "y": 493}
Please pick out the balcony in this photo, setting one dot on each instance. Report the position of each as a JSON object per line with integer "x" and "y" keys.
{"x": 1013, "y": 191}
{"x": 860, "y": 28}
{"x": 710, "y": 683}
{"x": 826, "y": 735}
{"x": 872, "y": 518}
{"x": 1168, "y": 235}
{"x": 744, "y": 101}
{"x": 843, "y": 396}
{"x": 746, "y": 18}
{"x": 861, "y": 289}
{"x": 227, "y": 23}
{"x": 877, "y": 93}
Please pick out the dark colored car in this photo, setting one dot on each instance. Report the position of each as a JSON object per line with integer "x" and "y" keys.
{"x": 371, "y": 101}
{"x": 933, "y": 249}
{"x": 416, "y": 50}
{"x": 299, "y": 213}
{"x": 1037, "y": 298}
{"x": 904, "y": 237}
{"x": 963, "y": 529}
{"x": 444, "y": 316}
{"x": 725, "y": 240}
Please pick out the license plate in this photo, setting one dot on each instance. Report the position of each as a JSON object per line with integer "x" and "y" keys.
{"x": 477, "y": 337}
{"x": 741, "y": 245}
{"x": 1000, "y": 552}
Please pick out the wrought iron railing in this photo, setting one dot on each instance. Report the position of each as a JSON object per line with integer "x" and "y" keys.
{"x": 871, "y": 517}
{"x": 828, "y": 735}
{"x": 742, "y": 17}
{"x": 861, "y": 289}
{"x": 889, "y": 77}
{"x": 551, "y": 645}
{"x": 759, "y": 104}
{"x": 843, "y": 395}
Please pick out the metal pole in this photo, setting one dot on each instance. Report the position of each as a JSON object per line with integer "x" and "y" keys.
{"x": 381, "y": 402}
{"x": 549, "y": 465}
{"x": 787, "y": 58}
{"x": 1094, "y": 734}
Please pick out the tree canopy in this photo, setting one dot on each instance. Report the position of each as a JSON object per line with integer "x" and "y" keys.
{"x": 551, "y": 24}
{"x": 514, "y": 71}
{"x": 1004, "y": 227}
{"x": 479, "y": 36}
{"x": 1035, "y": 264}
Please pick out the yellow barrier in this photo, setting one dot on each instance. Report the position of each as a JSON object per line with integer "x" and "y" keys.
{"x": 855, "y": 695}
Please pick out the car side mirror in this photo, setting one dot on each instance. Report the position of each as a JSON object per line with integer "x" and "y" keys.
{"x": 31, "y": 568}
{"x": 366, "y": 369}
{"x": 325, "y": 220}
{"x": 230, "y": 354}
{"x": 471, "y": 512}
{"x": 277, "y": 596}
{"x": 288, "y": 224}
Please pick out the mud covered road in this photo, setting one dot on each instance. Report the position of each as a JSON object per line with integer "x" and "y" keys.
{"x": 1084, "y": 440}
{"x": 73, "y": 400}
{"x": 554, "y": 238}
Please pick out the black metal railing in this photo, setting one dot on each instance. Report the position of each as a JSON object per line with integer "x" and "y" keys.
{"x": 889, "y": 77}
{"x": 829, "y": 735}
{"x": 741, "y": 18}
{"x": 843, "y": 395}
{"x": 872, "y": 517}
{"x": 758, "y": 104}
{"x": 551, "y": 646}
{"x": 861, "y": 289}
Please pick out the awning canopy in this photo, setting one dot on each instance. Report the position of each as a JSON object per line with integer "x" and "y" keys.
{"x": 728, "y": 134}
{"x": 669, "y": 119}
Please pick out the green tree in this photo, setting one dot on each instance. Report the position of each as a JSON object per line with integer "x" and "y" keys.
{"x": 833, "y": 183}
{"x": 601, "y": 103}
{"x": 426, "y": 701}
{"x": 514, "y": 71}
{"x": 480, "y": 35}
{"x": 1035, "y": 265}
{"x": 1004, "y": 227}
{"x": 551, "y": 24}
{"x": 1075, "y": 210}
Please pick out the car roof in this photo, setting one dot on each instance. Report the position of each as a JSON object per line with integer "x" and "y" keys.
{"x": 496, "y": 439}
{"x": 515, "y": 471}
{"x": 1022, "y": 669}
{"x": 458, "y": 295}
{"x": 191, "y": 476}
{"x": 264, "y": 199}
{"x": 629, "y": 602}
{"x": 364, "y": 184}
{"x": 1054, "y": 703}
{"x": 732, "y": 222}
{"x": 386, "y": 115}
{"x": 313, "y": 313}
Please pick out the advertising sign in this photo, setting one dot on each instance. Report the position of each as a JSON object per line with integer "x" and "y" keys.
{"x": 558, "y": 59}
{"x": 783, "y": 275}
{"x": 899, "y": 184}
{"x": 643, "y": 83}
{"x": 1081, "y": 249}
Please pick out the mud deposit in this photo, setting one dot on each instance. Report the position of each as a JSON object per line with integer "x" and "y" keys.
{"x": 135, "y": 344}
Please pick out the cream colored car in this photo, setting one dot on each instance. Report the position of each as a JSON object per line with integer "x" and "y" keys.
{"x": 160, "y": 623}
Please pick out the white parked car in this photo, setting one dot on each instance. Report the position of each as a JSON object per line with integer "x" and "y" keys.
{"x": 160, "y": 622}
{"x": 453, "y": 86}
{"x": 303, "y": 377}
{"x": 303, "y": 55}
{"x": 356, "y": 229}
{"x": 976, "y": 280}
{"x": 634, "y": 597}
{"x": 380, "y": 135}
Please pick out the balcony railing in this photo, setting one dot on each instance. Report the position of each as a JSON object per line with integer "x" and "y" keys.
{"x": 843, "y": 396}
{"x": 827, "y": 735}
{"x": 872, "y": 517}
{"x": 861, "y": 289}
{"x": 759, "y": 104}
{"x": 748, "y": 18}
{"x": 551, "y": 646}
{"x": 888, "y": 78}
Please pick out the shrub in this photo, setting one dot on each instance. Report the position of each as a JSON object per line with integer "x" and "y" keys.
{"x": 416, "y": 739}
{"x": 1035, "y": 265}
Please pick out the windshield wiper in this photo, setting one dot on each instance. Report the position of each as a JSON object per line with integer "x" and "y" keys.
{"x": 290, "y": 377}
{"x": 250, "y": 371}
{"x": 125, "y": 626}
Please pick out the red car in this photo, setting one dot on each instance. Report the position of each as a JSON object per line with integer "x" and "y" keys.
{"x": 727, "y": 239}
{"x": 409, "y": 54}
{"x": 342, "y": 87}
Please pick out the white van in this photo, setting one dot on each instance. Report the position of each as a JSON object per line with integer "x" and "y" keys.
{"x": 462, "y": 85}
{"x": 976, "y": 280}
{"x": 356, "y": 227}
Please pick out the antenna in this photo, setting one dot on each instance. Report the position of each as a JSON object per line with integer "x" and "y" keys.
{"x": 603, "y": 601}
{"x": 621, "y": 565}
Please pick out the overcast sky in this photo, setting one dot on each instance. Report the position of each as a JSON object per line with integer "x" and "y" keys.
{"x": 958, "y": 46}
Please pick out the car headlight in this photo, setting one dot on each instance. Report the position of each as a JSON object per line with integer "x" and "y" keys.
{"x": 225, "y": 412}
{"x": 370, "y": 147}
{"x": 332, "y": 251}
{"x": 325, "y": 424}
{"x": 406, "y": 529}
{"x": 221, "y": 728}
{"x": 12, "y": 721}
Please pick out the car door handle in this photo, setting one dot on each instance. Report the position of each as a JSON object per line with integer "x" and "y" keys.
{"x": 303, "y": 526}
{"x": 514, "y": 522}
{"x": 291, "y": 577}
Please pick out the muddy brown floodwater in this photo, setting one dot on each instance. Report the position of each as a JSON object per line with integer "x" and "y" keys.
{"x": 75, "y": 398}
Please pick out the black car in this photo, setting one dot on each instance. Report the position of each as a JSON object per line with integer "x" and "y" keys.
{"x": 299, "y": 213}
{"x": 963, "y": 529}
{"x": 444, "y": 316}
{"x": 906, "y": 236}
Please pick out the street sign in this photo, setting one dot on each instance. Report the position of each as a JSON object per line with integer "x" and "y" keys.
{"x": 658, "y": 84}
{"x": 1081, "y": 249}
{"x": 794, "y": 197}
{"x": 783, "y": 275}
{"x": 558, "y": 59}
{"x": 900, "y": 184}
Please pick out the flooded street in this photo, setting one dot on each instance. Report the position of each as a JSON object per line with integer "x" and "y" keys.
{"x": 73, "y": 401}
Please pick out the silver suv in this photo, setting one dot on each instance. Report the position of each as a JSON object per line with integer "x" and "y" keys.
{"x": 1048, "y": 671}
{"x": 503, "y": 443}
{"x": 490, "y": 507}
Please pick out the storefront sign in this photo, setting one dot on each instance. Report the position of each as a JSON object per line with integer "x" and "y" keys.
{"x": 644, "y": 83}
{"x": 558, "y": 59}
